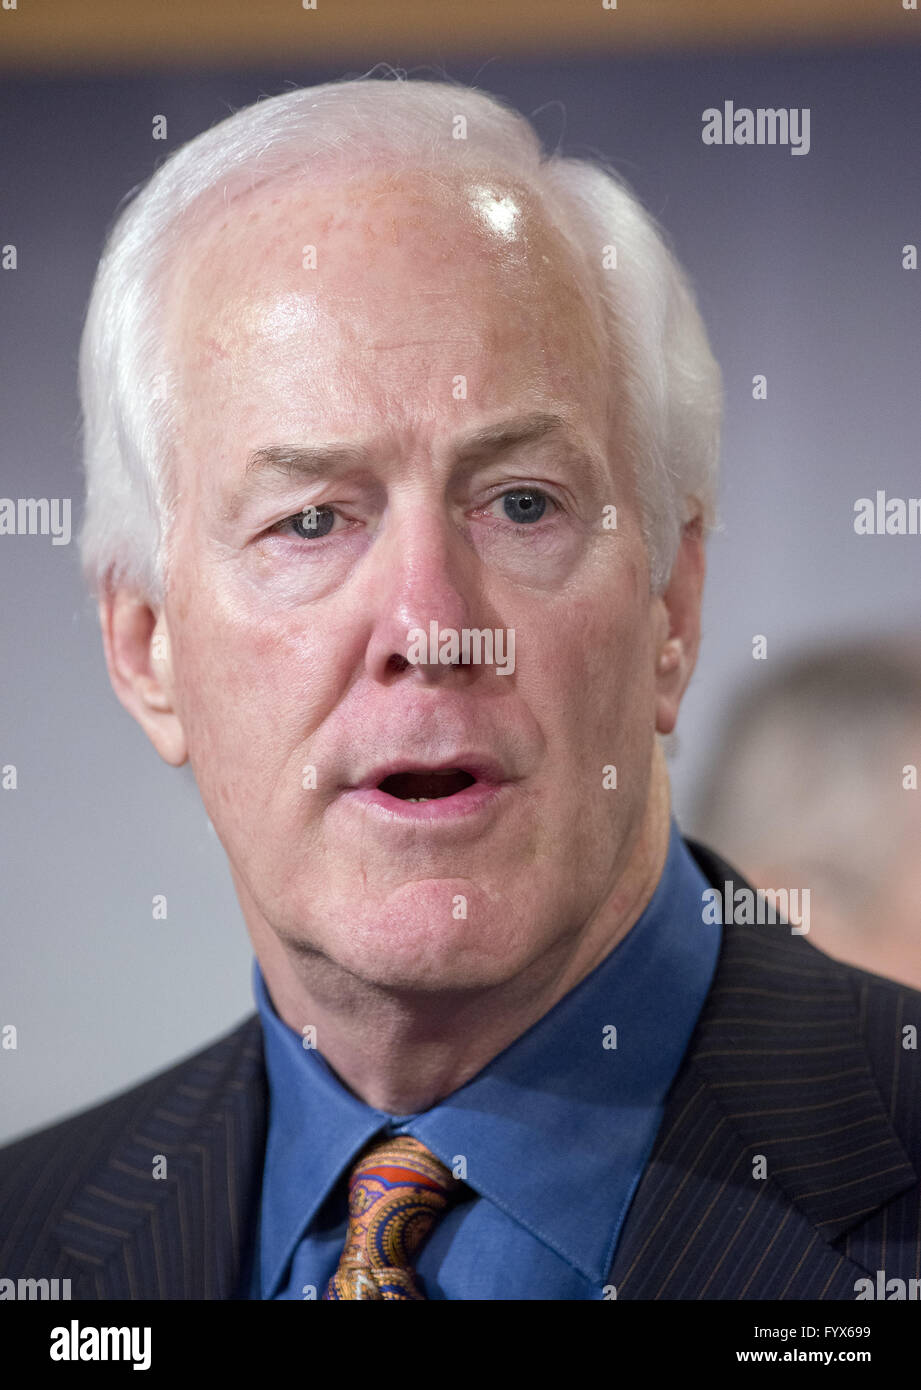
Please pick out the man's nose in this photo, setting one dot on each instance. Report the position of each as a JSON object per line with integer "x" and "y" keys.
{"x": 422, "y": 580}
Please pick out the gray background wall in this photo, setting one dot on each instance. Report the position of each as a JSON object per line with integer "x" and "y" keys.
{"x": 797, "y": 263}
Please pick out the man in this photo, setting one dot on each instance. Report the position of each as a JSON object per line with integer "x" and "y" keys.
{"x": 401, "y": 443}
{"x": 841, "y": 723}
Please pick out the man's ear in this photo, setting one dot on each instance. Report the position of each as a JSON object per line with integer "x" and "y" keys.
{"x": 676, "y": 654}
{"x": 138, "y": 655}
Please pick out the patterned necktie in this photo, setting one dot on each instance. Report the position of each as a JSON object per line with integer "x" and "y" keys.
{"x": 398, "y": 1190}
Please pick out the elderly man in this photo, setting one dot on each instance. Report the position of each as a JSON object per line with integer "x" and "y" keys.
{"x": 401, "y": 441}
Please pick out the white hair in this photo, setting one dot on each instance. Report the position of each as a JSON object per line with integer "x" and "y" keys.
{"x": 660, "y": 361}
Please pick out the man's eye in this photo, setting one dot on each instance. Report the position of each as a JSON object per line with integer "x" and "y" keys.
{"x": 521, "y": 505}
{"x": 310, "y": 524}
{"x": 524, "y": 504}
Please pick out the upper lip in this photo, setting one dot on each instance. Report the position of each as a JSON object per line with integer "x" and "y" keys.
{"x": 482, "y": 766}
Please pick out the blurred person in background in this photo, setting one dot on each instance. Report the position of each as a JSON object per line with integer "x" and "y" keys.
{"x": 816, "y": 787}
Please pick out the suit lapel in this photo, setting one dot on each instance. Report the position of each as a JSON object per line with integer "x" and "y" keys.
{"x": 774, "y": 1143}
{"x": 127, "y": 1234}
{"x": 775, "y": 1140}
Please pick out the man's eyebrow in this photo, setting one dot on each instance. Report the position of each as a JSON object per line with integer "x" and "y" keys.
{"x": 507, "y": 434}
{"x": 303, "y": 462}
{"x": 309, "y": 461}
{"x": 530, "y": 429}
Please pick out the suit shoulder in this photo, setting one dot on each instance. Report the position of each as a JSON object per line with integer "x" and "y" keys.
{"x": 796, "y": 978}
{"x": 883, "y": 1005}
{"x": 44, "y": 1173}
{"x": 75, "y": 1142}
{"x": 889, "y": 1013}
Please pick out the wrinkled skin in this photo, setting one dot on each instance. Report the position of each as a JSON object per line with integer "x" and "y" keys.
{"x": 283, "y": 652}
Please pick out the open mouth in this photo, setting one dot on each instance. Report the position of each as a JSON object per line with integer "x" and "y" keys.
{"x": 426, "y": 786}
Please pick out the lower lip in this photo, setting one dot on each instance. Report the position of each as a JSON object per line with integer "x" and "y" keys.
{"x": 475, "y": 800}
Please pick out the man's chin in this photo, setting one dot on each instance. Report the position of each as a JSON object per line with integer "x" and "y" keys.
{"x": 431, "y": 936}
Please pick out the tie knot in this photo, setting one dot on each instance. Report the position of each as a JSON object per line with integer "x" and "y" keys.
{"x": 398, "y": 1190}
{"x": 402, "y": 1163}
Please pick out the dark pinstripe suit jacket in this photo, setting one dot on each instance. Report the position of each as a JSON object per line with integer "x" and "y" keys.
{"x": 795, "y": 1058}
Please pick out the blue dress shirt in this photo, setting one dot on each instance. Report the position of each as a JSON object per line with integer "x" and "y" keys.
{"x": 554, "y": 1132}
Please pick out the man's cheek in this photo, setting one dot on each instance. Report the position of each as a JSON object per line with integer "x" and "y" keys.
{"x": 224, "y": 705}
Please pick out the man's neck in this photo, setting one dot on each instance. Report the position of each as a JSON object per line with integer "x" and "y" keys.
{"x": 403, "y": 1052}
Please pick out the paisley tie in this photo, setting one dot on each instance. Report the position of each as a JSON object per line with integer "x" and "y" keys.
{"x": 398, "y": 1190}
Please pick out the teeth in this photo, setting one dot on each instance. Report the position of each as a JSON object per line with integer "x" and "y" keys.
{"x": 419, "y": 798}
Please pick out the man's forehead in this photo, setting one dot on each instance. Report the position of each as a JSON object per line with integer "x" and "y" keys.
{"x": 386, "y": 203}
{"x": 427, "y": 234}
{"x": 361, "y": 337}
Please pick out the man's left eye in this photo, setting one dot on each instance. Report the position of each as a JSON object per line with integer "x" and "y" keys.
{"x": 525, "y": 504}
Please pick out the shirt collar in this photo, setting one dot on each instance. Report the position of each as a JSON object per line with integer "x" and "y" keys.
{"x": 316, "y": 1127}
{"x": 555, "y": 1130}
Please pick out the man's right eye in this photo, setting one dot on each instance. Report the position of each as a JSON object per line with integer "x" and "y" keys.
{"x": 310, "y": 524}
